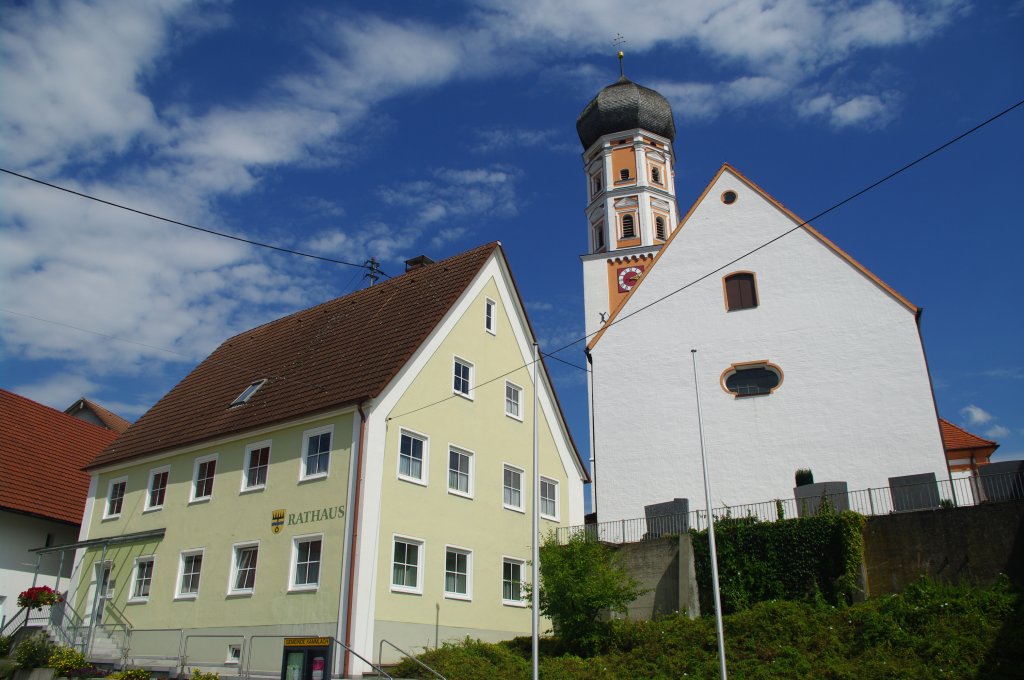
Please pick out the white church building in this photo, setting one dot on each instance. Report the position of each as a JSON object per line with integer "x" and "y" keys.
{"x": 804, "y": 358}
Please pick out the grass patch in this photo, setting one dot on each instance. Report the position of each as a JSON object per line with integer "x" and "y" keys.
{"x": 930, "y": 631}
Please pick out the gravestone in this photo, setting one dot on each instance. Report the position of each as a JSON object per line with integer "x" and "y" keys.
{"x": 809, "y": 496}
{"x": 1002, "y": 481}
{"x": 670, "y": 518}
{"x": 914, "y": 492}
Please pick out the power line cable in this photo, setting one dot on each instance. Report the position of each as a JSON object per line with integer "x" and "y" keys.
{"x": 802, "y": 224}
{"x": 574, "y": 342}
{"x": 212, "y": 232}
{"x": 748, "y": 253}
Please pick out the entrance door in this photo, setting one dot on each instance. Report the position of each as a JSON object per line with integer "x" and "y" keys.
{"x": 105, "y": 586}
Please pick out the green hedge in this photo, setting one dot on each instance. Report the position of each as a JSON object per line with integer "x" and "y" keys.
{"x": 791, "y": 559}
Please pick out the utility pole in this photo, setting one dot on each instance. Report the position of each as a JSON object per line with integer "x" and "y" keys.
{"x": 373, "y": 270}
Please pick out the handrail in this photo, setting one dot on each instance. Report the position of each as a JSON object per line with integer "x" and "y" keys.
{"x": 374, "y": 666}
{"x": 14, "y": 619}
{"x": 164, "y": 657}
{"x": 380, "y": 657}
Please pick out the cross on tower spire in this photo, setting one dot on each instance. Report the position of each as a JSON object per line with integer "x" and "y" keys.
{"x": 619, "y": 41}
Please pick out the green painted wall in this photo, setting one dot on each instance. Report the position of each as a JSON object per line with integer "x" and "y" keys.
{"x": 231, "y": 516}
{"x": 439, "y": 518}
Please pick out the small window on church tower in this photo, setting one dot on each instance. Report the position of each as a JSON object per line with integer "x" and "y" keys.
{"x": 628, "y": 228}
{"x": 740, "y": 291}
{"x": 659, "y": 228}
{"x": 656, "y": 175}
{"x": 598, "y": 237}
{"x": 624, "y": 174}
{"x": 595, "y": 184}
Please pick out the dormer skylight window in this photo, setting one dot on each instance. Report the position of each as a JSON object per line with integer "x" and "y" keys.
{"x": 247, "y": 394}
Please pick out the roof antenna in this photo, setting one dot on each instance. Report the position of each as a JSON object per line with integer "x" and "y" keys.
{"x": 374, "y": 270}
{"x": 619, "y": 42}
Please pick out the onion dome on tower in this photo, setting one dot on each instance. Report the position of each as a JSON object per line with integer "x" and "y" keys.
{"x": 624, "y": 105}
{"x": 627, "y": 132}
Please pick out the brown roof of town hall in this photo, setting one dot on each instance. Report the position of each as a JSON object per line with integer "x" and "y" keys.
{"x": 42, "y": 452}
{"x": 338, "y": 353}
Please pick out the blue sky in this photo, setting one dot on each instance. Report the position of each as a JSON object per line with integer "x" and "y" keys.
{"x": 391, "y": 129}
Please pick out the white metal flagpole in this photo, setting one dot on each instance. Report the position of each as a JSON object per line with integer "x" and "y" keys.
{"x": 535, "y": 588}
{"x": 711, "y": 526}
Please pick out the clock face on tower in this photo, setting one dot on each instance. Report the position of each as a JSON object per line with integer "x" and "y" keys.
{"x": 628, "y": 276}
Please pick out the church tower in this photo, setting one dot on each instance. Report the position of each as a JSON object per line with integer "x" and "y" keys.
{"x": 627, "y": 133}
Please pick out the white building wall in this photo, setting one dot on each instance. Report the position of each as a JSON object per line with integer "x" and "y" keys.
{"x": 855, "y": 403}
{"x": 19, "y": 534}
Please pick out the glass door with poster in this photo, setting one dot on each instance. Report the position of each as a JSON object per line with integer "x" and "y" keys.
{"x": 306, "y": 658}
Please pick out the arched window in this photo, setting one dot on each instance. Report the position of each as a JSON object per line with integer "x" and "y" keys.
{"x": 656, "y": 175}
{"x": 740, "y": 291}
{"x": 628, "y": 228}
{"x": 659, "y": 228}
{"x": 748, "y": 380}
{"x": 624, "y": 174}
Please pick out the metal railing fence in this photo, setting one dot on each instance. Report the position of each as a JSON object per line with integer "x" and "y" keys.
{"x": 960, "y": 492}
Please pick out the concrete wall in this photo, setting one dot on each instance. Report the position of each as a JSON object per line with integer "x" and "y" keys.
{"x": 973, "y": 544}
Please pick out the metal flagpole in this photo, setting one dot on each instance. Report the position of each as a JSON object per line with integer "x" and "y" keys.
{"x": 535, "y": 588}
{"x": 711, "y": 526}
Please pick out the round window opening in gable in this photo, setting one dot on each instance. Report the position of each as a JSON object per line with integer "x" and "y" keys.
{"x": 751, "y": 379}
{"x": 729, "y": 197}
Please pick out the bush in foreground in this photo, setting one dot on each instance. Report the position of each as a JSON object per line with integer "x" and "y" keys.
{"x": 930, "y": 631}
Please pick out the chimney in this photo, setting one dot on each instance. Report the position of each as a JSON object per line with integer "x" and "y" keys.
{"x": 417, "y": 262}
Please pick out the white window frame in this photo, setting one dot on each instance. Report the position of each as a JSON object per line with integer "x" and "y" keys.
{"x": 421, "y": 561}
{"x": 521, "y": 391}
{"x": 468, "y": 394}
{"x": 107, "y": 514}
{"x": 178, "y": 593}
{"x": 234, "y": 659}
{"x": 452, "y": 595}
{"x": 250, "y": 449}
{"x": 294, "y": 570}
{"x": 134, "y": 596}
{"x": 505, "y": 559}
{"x": 235, "y": 551}
{"x": 306, "y": 436}
{"x": 424, "y": 465}
{"x": 522, "y": 492}
{"x": 193, "y": 498}
{"x": 490, "y": 316}
{"x": 149, "y": 506}
{"x": 472, "y": 469}
{"x": 554, "y": 482}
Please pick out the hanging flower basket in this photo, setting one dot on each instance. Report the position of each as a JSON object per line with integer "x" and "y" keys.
{"x": 37, "y": 598}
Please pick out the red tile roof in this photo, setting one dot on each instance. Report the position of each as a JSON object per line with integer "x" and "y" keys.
{"x": 339, "y": 353}
{"x": 958, "y": 439}
{"x": 110, "y": 420}
{"x": 42, "y": 453}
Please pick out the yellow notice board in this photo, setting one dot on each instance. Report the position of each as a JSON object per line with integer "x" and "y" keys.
{"x": 307, "y": 642}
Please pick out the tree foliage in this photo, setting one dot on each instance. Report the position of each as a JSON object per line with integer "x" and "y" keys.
{"x": 578, "y": 581}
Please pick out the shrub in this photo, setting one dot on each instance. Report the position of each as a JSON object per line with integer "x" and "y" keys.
{"x": 579, "y": 581}
{"x": 89, "y": 671}
{"x": 5, "y": 645}
{"x": 65, "y": 660}
{"x": 7, "y": 669}
{"x": 199, "y": 675}
{"x": 131, "y": 674}
{"x": 804, "y": 476}
{"x": 33, "y": 651}
{"x": 807, "y": 558}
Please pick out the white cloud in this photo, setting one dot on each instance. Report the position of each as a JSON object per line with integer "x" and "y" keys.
{"x": 997, "y": 431}
{"x": 75, "y": 95}
{"x": 865, "y": 110}
{"x": 975, "y": 415}
{"x": 539, "y": 306}
{"x": 58, "y": 391}
{"x": 495, "y": 139}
